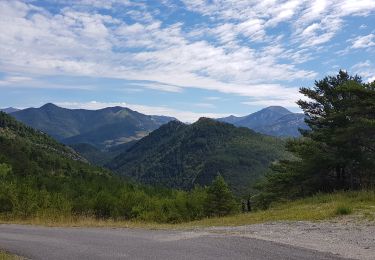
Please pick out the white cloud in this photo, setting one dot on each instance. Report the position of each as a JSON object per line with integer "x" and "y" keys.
{"x": 82, "y": 43}
{"x": 366, "y": 41}
{"x": 159, "y": 86}
{"x": 78, "y": 40}
{"x": 16, "y": 81}
{"x": 365, "y": 69}
{"x": 213, "y": 98}
{"x": 204, "y": 105}
{"x": 271, "y": 102}
{"x": 326, "y": 16}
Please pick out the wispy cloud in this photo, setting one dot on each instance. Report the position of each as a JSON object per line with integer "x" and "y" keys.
{"x": 62, "y": 43}
{"x": 366, "y": 69}
{"x": 255, "y": 49}
{"x": 366, "y": 41}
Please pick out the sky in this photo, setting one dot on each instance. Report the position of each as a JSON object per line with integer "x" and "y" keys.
{"x": 181, "y": 58}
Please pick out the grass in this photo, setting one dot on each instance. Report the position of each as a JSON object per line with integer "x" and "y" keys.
{"x": 360, "y": 205}
{"x": 7, "y": 256}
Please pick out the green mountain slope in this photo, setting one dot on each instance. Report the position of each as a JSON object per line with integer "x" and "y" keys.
{"x": 181, "y": 156}
{"x": 45, "y": 177}
{"x": 16, "y": 139}
{"x": 101, "y": 128}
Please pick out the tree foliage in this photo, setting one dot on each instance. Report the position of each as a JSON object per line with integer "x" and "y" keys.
{"x": 220, "y": 200}
{"x": 338, "y": 151}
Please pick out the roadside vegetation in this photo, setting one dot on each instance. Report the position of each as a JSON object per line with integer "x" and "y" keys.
{"x": 8, "y": 256}
{"x": 358, "y": 206}
{"x": 320, "y": 207}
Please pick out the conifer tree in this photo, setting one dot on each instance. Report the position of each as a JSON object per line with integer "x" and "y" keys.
{"x": 220, "y": 200}
{"x": 338, "y": 151}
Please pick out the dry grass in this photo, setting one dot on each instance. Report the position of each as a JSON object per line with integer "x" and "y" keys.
{"x": 7, "y": 256}
{"x": 360, "y": 205}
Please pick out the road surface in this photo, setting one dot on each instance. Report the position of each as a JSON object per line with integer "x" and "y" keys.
{"x": 34, "y": 242}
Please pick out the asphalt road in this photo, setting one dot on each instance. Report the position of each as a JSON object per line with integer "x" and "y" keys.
{"x": 34, "y": 242}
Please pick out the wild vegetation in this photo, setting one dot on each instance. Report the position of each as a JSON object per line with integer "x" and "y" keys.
{"x": 338, "y": 152}
{"x": 8, "y": 256}
{"x": 339, "y": 206}
{"x": 42, "y": 178}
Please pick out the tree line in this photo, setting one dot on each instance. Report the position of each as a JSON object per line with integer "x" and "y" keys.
{"x": 107, "y": 196}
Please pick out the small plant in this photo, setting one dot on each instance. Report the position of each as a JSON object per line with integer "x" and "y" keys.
{"x": 343, "y": 210}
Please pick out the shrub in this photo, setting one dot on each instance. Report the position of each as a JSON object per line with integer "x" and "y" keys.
{"x": 343, "y": 210}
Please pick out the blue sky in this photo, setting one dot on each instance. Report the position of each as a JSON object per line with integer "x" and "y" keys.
{"x": 183, "y": 58}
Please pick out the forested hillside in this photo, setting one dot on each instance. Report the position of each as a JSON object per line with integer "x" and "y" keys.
{"x": 181, "y": 156}
{"x": 40, "y": 178}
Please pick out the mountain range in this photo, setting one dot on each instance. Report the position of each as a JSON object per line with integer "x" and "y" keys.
{"x": 104, "y": 136}
{"x": 9, "y": 110}
{"x": 273, "y": 120}
{"x": 159, "y": 150}
{"x": 101, "y": 128}
{"x": 181, "y": 156}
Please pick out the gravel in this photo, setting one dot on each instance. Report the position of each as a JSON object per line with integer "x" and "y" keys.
{"x": 346, "y": 239}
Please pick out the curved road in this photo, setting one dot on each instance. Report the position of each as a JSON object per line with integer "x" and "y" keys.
{"x": 34, "y": 242}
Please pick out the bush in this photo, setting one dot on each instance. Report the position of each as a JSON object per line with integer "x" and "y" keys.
{"x": 343, "y": 210}
{"x": 6, "y": 204}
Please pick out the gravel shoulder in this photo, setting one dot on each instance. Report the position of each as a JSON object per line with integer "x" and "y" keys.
{"x": 343, "y": 238}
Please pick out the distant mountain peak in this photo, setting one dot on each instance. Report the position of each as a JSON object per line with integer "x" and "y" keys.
{"x": 49, "y": 106}
{"x": 272, "y": 120}
{"x": 9, "y": 110}
{"x": 116, "y": 109}
{"x": 279, "y": 109}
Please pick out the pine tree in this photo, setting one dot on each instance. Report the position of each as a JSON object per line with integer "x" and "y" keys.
{"x": 220, "y": 200}
{"x": 342, "y": 120}
{"x": 338, "y": 151}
